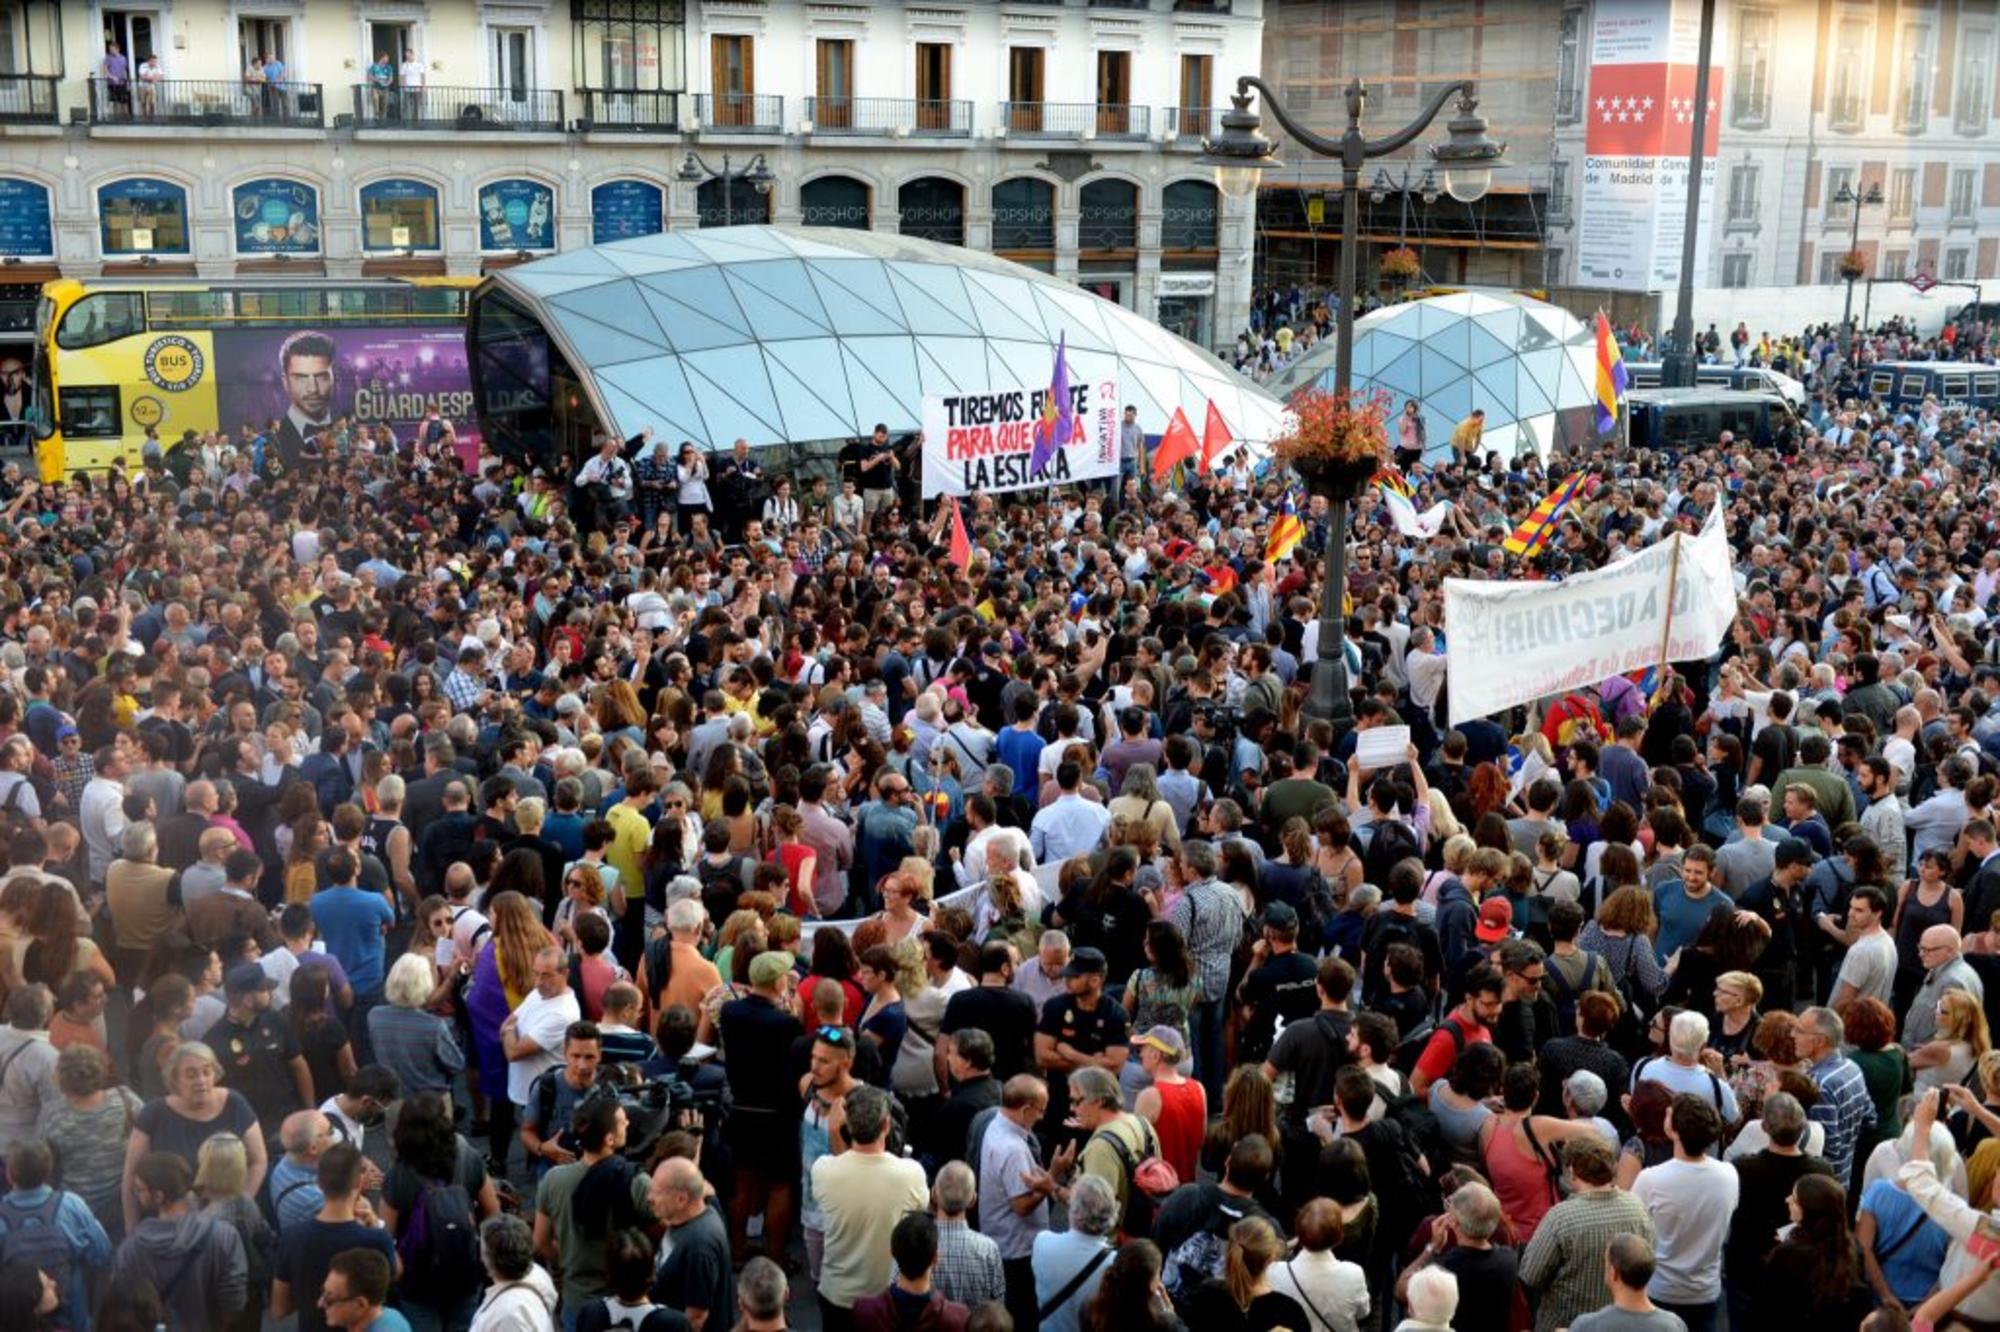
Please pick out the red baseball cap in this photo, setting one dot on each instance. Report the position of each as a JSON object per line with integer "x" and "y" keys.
{"x": 1496, "y": 920}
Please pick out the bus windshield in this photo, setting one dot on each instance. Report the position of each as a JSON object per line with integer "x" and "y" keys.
{"x": 102, "y": 317}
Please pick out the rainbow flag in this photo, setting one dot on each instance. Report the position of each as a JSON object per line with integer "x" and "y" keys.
{"x": 1538, "y": 527}
{"x": 1391, "y": 478}
{"x": 1610, "y": 377}
{"x": 1287, "y": 532}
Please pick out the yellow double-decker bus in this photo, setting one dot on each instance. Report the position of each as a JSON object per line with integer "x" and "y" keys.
{"x": 117, "y": 358}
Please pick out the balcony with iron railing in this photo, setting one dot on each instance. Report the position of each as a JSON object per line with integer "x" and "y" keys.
{"x": 741, "y": 113}
{"x": 28, "y": 99}
{"x": 897, "y": 116}
{"x": 1189, "y": 125}
{"x": 458, "y": 110}
{"x": 207, "y": 102}
{"x": 629, "y": 112}
{"x": 1075, "y": 120}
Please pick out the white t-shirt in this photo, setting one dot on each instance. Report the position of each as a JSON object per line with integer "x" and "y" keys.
{"x": 542, "y": 1021}
{"x": 1327, "y": 1288}
{"x": 1870, "y": 965}
{"x": 1690, "y": 1203}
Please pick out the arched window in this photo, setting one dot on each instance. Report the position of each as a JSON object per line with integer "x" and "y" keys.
{"x": 1187, "y": 216}
{"x": 745, "y": 206}
{"x": 932, "y": 208}
{"x": 835, "y": 201}
{"x": 622, "y": 209}
{"x": 1024, "y": 215}
{"x": 1107, "y": 216}
{"x": 141, "y": 215}
{"x": 276, "y": 216}
{"x": 399, "y": 215}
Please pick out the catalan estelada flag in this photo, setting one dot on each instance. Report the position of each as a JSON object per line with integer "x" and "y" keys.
{"x": 1535, "y": 530}
{"x": 1287, "y": 532}
{"x": 1610, "y": 377}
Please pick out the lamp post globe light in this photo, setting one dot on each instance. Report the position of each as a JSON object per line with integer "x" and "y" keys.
{"x": 1240, "y": 154}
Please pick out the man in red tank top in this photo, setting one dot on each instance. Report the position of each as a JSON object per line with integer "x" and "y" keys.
{"x": 1176, "y": 1106}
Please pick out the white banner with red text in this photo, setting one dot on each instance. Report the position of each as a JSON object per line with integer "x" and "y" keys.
{"x": 985, "y": 441}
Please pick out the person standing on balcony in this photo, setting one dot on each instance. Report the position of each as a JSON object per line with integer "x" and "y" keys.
{"x": 381, "y": 80}
{"x": 411, "y": 77}
{"x": 117, "y": 79}
{"x": 253, "y": 84}
{"x": 274, "y": 87}
{"x": 150, "y": 77}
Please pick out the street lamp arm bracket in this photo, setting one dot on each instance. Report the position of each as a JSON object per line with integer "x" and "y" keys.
{"x": 1352, "y": 149}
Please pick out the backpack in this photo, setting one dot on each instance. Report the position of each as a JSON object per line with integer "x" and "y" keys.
{"x": 1414, "y": 1193}
{"x": 441, "y": 1241}
{"x": 1411, "y": 1048}
{"x": 1389, "y": 845}
{"x": 1197, "y": 1258}
{"x": 13, "y": 819}
{"x": 1564, "y": 993}
{"x": 34, "y": 1238}
{"x": 1140, "y": 1205}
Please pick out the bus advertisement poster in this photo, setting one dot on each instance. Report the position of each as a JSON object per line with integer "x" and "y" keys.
{"x": 374, "y": 376}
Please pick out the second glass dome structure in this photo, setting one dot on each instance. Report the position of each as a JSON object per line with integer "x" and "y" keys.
{"x": 1531, "y": 365}
{"x": 807, "y": 337}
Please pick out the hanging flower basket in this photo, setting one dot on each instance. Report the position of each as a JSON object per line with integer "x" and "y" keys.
{"x": 1400, "y": 264}
{"x": 1338, "y": 441}
{"x": 1853, "y": 264}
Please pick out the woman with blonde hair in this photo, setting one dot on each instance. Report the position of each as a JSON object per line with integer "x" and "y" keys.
{"x": 221, "y": 1178}
{"x": 502, "y": 976}
{"x": 617, "y": 711}
{"x": 1241, "y": 1299}
{"x": 1458, "y": 849}
{"x": 1139, "y": 800}
{"x": 1961, "y": 1041}
{"x": 196, "y": 1108}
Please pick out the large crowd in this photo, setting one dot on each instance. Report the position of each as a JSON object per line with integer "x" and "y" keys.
{"x": 642, "y": 891}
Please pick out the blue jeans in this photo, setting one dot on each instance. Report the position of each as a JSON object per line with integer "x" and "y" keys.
{"x": 1698, "y": 1317}
{"x": 439, "y": 1317}
{"x": 1205, "y": 1030}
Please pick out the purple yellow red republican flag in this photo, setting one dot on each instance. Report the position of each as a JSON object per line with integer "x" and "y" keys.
{"x": 1610, "y": 377}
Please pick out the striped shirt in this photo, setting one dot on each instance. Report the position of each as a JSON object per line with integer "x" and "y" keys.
{"x": 1844, "y": 1107}
{"x": 1564, "y": 1262}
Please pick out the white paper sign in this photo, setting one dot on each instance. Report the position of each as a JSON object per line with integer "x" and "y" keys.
{"x": 1382, "y": 747}
{"x": 1511, "y": 643}
{"x": 985, "y": 441}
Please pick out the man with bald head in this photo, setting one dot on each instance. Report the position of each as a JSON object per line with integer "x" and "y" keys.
{"x": 206, "y": 876}
{"x": 295, "y": 1194}
{"x": 1941, "y": 951}
{"x": 696, "y": 1276}
{"x": 180, "y": 834}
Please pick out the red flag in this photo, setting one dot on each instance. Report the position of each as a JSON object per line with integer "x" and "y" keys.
{"x": 1177, "y": 446}
{"x": 961, "y": 542}
{"x": 1215, "y": 437}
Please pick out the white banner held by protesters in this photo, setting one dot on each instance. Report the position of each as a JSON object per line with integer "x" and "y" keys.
{"x": 982, "y": 441}
{"x": 1512, "y": 643}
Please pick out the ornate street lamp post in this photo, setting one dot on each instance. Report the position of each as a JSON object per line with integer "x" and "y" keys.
{"x": 756, "y": 175}
{"x": 1238, "y": 155}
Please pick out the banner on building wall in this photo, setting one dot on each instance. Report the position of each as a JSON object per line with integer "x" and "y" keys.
{"x": 982, "y": 441}
{"x": 1638, "y": 120}
{"x": 622, "y": 209}
{"x": 1512, "y": 643}
{"x": 27, "y": 228}
{"x": 517, "y": 215}
{"x": 276, "y": 217}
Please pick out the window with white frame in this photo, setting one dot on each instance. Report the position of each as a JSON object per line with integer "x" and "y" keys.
{"x": 1961, "y": 197}
{"x": 1847, "y": 103}
{"x": 1829, "y": 266}
{"x": 1895, "y": 264}
{"x": 1957, "y": 265}
{"x": 1756, "y": 31}
{"x": 1736, "y": 270}
{"x": 1975, "y": 81}
{"x": 1744, "y": 178}
{"x": 1839, "y": 181}
{"x": 1902, "y": 194}
{"x": 1913, "y": 98}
